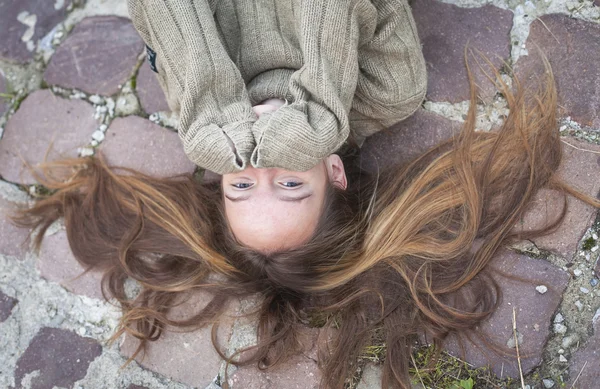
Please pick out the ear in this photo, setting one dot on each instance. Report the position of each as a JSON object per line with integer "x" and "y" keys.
{"x": 336, "y": 172}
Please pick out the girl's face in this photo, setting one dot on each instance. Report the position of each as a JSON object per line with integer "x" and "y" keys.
{"x": 275, "y": 209}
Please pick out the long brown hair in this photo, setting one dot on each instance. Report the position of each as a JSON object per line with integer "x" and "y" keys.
{"x": 396, "y": 254}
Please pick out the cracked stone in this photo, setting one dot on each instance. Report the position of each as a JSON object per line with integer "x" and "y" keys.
{"x": 56, "y": 358}
{"x": 12, "y": 238}
{"x": 534, "y": 314}
{"x": 57, "y": 263}
{"x": 152, "y": 98}
{"x": 572, "y": 47}
{"x": 98, "y": 56}
{"x": 43, "y": 121}
{"x": 406, "y": 140}
{"x": 445, "y": 30}
{"x": 187, "y": 357}
{"x": 285, "y": 375}
{"x": 581, "y": 169}
{"x": 15, "y": 35}
{"x": 141, "y": 145}
{"x": 7, "y": 304}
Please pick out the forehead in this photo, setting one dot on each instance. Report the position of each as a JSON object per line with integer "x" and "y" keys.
{"x": 266, "y": 223}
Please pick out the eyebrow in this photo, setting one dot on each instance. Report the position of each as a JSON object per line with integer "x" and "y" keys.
{"x": 282, "y": 198}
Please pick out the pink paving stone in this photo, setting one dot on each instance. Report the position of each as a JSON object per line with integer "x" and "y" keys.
{"x": 12, "y": 238}
{"x": 7, "y": 303}
{"x": 573, "y": 48}
{"x": 187, "y": 357}
{"x": 43, "y": 120}
{"x": 57, "y": 263}
{"x": 299, "y": 372}
{"x": 98, "y": 56}
{"x": 585, "y": 362}
{"x": 445, "y": 30}
{"x": 581, "y": 169}
{"x": 12, "y": 47}
{"x": 141, "y": 145}
{"x": 3, "y": 101}
{"x": 406, "y": 140}
{"x": 152, "y": 97}
{"x": 61, "y": 357}
{"x": 534, "y": 312}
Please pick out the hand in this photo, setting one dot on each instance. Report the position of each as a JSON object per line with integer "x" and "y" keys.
{"x": 268, "y": 106}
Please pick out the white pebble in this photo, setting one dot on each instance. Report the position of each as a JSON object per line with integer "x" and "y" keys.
{"x": 577, "y": 272}
{"x": 94, "y": 143}
{"x": 561, "y": 351}
{"x": 562, "y": 359}
{"x": 579, "y": 305}
{"x": 560, "y": 328}
{"x": 103, "y": 127}
{"x": 541, "y": 289}
{"x": 559, "y": 318}
{"x": 584, "y": 290}
{"x": 95, "y": 99}
{"x": 98, "y": 135}
{"x": 548, "y": 383}
{"x": 594, "y": 249}
{"x": 595, "y": 236}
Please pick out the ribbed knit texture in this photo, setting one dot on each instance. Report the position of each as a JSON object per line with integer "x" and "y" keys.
{"x": 339, "y": 64}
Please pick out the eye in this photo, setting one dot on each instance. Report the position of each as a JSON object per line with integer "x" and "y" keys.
{"x": 242, "y": 185}
{"x": 290, "y": 184}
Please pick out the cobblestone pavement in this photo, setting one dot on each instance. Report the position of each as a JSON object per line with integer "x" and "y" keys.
{"x": 72, "y": 74}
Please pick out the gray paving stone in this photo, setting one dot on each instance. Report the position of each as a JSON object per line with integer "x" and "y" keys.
{"x": 13, "y": 31}
{"x": 299, "y": 372}
{"x": 149, "y": 91}
{"x": 187, "y": 357}
{"x": 7, "y": 303}
{"x": 581, "y": 169}
{"x": 60, "y": 358}
{"x": 12, "y": 238}
{"x": 534, "y": 312}
{"x": 584, "y": 371}
{"x": 573, "y": 48}
{"x": 141, "y": 145}
{"x": 57, "y": 263}
{"x": 3, "y": 100}
{"x": 445, "y": 30}
{"x": 98, "y": 56}
{"x": 43, "y": 120}
{"x": 406, "y": 140}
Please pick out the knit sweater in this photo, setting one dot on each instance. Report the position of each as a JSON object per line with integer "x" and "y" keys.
{"x": 338, "y": 64}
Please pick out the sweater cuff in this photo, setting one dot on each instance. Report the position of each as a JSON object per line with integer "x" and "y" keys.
{"x": 270, "y": 84}
{"x": 222, "y": 150}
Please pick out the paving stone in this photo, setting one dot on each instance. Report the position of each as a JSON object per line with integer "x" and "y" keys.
{"x": 13, "y": 32}
{"x": 98, "y": 56}
{"x": 57, "y": 263}
{"x": 141, "y": 145}
{"x": 60, "y": 358}
{"x": 3, "y": 101}
{"x": 12, "y": 238}
{"x": 43, "y": 120}
{"x": 445, "y": 30}
{"x": 585, "y": 363}
{"x": 152, "y": 97}
{"x": 299, "y": 372}
{"x": 534, "y": 312}
{"x": 581, "y": 169}
{"x": 406, "y": 140}
{"x": 7, "y": 303}
{"x": 187, "y": 357}
{"x": 572, "y": 47}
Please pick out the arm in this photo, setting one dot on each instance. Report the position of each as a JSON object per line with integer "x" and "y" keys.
{"x": 314, "y": 122}
{"x": 199, "y": 80}
{"x": 393, "y": 79}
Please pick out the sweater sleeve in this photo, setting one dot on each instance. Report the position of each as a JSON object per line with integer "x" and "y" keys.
{"x": 314, "y": 122}
{"x": 200, "y": 81}
{"x": 393, "y": 78}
